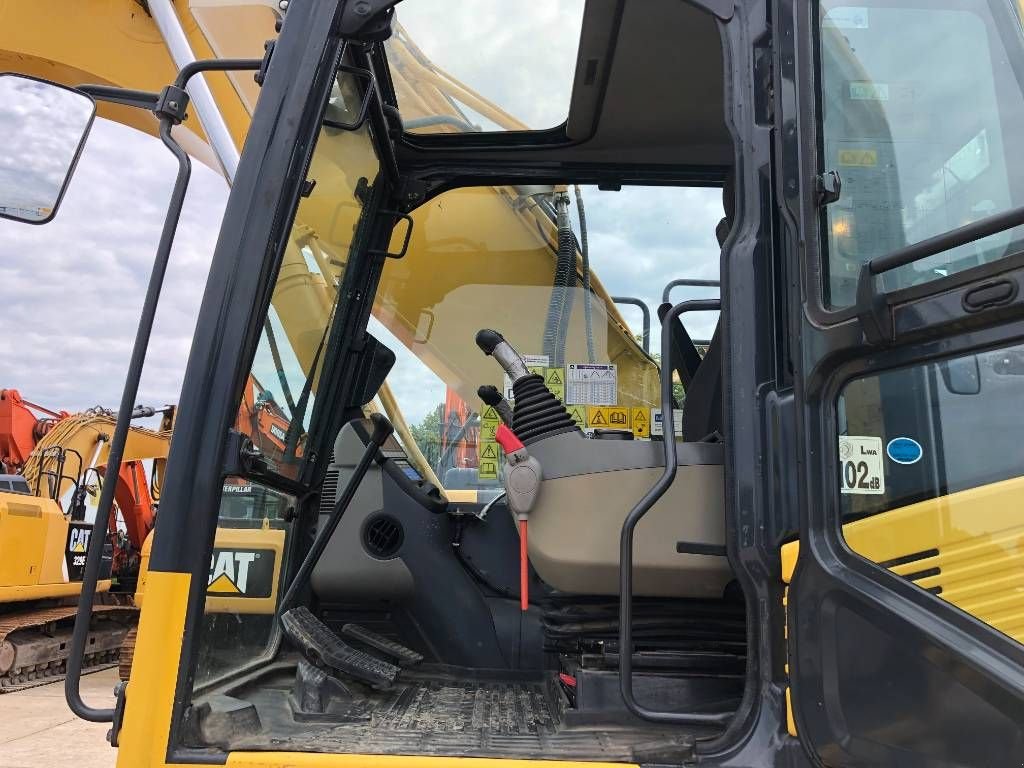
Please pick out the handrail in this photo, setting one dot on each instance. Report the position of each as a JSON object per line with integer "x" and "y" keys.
{"x": 692, "y": 283}
{"x": 646, "y": 343}
{"x": 642, "y": 507}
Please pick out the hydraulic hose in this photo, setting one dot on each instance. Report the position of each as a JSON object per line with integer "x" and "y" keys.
{"x": 560, "y": 304}
{"x": 588, "y": 310}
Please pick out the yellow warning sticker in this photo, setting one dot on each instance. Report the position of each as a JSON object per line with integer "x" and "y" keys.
{"x": 488, "y": 470}
{"x": 489, "y": 451}
{"x": 554, "y": 379}
{"x": 640, "y": 420}
{"x": 608, "y": 417}
{"x": 488, "y": 431}
{"x": 578, "y": 413}
{"x": 489, "y": 416}
{"x": 860, "y": 158}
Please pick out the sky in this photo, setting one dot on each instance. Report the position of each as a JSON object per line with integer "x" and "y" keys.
{"x": 71, "y": 290}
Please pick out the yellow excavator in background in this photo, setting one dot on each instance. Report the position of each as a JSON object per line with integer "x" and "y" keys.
{"x": 44, "y": 534}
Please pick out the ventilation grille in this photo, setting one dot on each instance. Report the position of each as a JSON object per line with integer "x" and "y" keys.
{"x": 382, "y": 536}
{"x": 904, "y": 566}
{"x": 329, "y": 490}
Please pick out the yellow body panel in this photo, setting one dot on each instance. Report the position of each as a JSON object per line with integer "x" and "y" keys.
{"x": 249, "y": 538}
{"x": 979, "y": 538}
{"x": 229, "y": 538}
{"x": 33, "y": 534}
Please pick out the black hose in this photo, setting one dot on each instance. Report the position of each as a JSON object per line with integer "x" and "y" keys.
{"x": 560, "y": 304}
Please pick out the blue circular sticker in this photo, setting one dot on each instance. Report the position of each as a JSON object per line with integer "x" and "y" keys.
{"x": 904, "y": 450}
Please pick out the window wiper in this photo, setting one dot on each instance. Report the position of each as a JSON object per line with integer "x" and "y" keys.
{"x": 873, "y": 310}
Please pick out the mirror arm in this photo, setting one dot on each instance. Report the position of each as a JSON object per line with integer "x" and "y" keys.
{"x": 130, "y": 98}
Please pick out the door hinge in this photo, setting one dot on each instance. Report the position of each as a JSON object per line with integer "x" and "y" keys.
{"x": 827, "y": 188}
{"x": 268, "y": 53}
{"x": 120, "y": 694}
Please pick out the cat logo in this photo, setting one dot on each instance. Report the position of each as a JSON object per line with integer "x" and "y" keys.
{"x": 241, "y": 573}
{"x": 78, "y": 539}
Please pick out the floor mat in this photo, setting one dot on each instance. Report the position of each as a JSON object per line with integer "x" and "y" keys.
{"x": 460, "y": 718}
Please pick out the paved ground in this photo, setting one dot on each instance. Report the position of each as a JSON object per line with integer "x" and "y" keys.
{"x": 38, "y": 729}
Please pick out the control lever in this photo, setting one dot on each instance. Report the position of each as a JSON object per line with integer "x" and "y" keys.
{"x": 522, "y": 483}
{"x": 382, "y": 430}
{"x": 492, "y": 397}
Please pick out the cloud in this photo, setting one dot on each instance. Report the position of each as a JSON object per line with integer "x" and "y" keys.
{"x": 72, "y": 289}
{"x": 42, "y": 126}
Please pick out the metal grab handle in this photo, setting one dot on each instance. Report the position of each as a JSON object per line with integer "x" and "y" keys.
{"x": 646, "y": 337}
{"x": 382, "y": 430}
{"x": 689, "y": 283}
{"x": 94, "y": 554}
{"x": 626, "y": 541}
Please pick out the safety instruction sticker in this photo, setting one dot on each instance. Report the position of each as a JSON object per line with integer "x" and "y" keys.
{"x": 487, "y": 447}
{"x": 658, "y": 428}
{"x": 860, "y": 465}
{"x": 607, "y": 417}
{"x": 554, "y": 379}
{"x": 640, "y": 421}
{"x": 591, "y": 384}
{"x": 535, "y": 363}
{"x": 488, "y": 469}
{"x": 578, "y": 414}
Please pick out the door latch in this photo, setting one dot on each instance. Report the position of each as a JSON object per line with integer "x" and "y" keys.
{"x": 827, "y": 188}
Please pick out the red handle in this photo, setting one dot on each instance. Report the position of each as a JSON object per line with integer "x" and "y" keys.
{"x": 507, "y": 440}
{"x": 524, "y": 570}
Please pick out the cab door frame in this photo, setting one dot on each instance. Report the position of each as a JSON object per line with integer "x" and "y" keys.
{"x": 948, "y": 673}
{"x": 260, "y": 209}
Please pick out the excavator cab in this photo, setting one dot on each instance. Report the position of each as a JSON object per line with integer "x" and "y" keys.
{"x": 777, "y": 527}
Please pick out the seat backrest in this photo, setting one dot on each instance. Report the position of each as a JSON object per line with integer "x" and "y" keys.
{"x": 702, "y": 412}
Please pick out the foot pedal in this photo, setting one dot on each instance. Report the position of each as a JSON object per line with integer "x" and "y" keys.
{"x": 323, "y": 648}
{"x": 406, "y": 657}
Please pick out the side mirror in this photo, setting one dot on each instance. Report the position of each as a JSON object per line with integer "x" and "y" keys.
{"x": 961, "y": 375}
{"x": 43, "y": 128}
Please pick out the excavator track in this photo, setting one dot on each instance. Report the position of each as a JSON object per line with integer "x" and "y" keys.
{"x": 35, "y": 643}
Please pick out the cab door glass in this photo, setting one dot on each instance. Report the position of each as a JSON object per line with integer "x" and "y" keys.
{"x": 923, "y": 118}
{"x": 931, "y": 477}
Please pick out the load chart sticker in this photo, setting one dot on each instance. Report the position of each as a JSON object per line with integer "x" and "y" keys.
{"x": 860, "y": 465}
{"x": 591, "y": 384}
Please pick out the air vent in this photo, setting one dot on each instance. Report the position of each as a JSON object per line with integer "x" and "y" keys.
{"x": 383, "y": 536}
{"x": 329, "y": 490}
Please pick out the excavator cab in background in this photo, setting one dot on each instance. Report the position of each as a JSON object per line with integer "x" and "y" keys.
{"x": 817, "y": 563}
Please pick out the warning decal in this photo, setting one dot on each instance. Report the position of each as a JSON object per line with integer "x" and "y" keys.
{"x": 578, "y": 413}
{"x": 554, "y": 379}
{"x": 607, "y": 417}
{"x": 488, "y": 470}
{"x": 640, "y": 420}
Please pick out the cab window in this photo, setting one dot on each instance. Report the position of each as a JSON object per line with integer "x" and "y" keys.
{"x": 927, "y": 134}
{"x": 499, "y": 269}
{"x": 931, "y": 472}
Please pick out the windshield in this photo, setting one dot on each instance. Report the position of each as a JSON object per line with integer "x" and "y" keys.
{"x": 926, "y": 134}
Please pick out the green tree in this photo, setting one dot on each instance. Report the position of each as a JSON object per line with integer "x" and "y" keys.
{"x": 427, "y": 434}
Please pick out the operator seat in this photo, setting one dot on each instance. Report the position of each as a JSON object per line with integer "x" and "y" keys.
{"x": 702, "y": 414}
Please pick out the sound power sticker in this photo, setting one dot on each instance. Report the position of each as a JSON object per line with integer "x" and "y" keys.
{"x": 861, "y": 469}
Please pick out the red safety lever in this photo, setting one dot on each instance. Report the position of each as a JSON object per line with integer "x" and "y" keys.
{"x": 521, "y": 483}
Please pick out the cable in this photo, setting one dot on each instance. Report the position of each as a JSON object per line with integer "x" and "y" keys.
{"x": 588, "y": 317}
{"x": 560, "y": 304}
